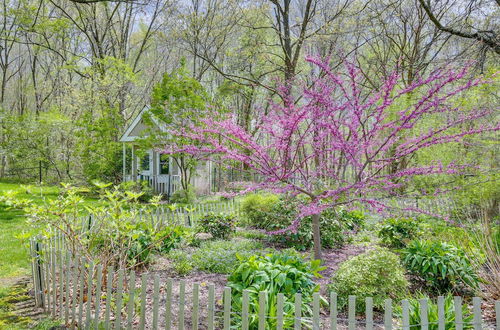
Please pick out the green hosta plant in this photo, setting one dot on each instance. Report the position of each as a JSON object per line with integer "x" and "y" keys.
{"x": 444, "y": 267}
{"x": 376, "y": 273}
{"x": 398, "y": 232}
{"x": 220, "y": 226}
{"x": 286, "y": 273}
{"x": 433, "y": 314}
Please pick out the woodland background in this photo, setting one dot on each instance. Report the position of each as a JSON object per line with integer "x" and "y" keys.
{"x": 74, "y": 74}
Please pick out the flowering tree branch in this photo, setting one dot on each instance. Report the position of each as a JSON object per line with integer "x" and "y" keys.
{"x": 340, "y": 144}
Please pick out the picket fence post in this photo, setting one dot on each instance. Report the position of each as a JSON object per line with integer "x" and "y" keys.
{"x": 458, "y": 313}
{"x": 168, "y": 309}
{"x": 279, "y": 311}
{"x": 369, "y": 313}
{"x": 195, "y": 319}
{"x": 298, "y": 310}
{"x": 211, "y": 307}
{"x": 476, "y": 309}
{"x": 130, "y": 306}
{"x": 227, "y": 308}
{"x": 119, "y": 298}
{"x": 333, "y": 311}
{"x": 262, "y": 310}
{"x": 388, "y": 314}
{"x": 316, "y": 320}
{"x": 144, "y": 290}
{"x": 424, "y": 322}
{"x": 352, "y": 313}
{"x": 406, "y": 314}
{"x": 156, "y": 298}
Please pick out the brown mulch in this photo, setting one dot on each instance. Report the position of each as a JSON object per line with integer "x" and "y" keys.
{"x": 332, "y": 260}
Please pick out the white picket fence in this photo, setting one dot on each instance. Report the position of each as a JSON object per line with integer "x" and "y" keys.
{"x": 161, "y": 216}
{"x": 86, "y": 296}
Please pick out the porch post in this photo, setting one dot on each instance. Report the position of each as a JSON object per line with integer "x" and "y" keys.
{"x": 134, "y": 164}
{"x": 124, "y": 161}
{"x": 154, "y": 167}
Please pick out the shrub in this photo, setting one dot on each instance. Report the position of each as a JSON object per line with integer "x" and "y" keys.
{"x": 169, "y": 238}
{"x": 272, "y": 213}
{"x": 440, "y": 230}
{"x": 140, "y": 187}
{"x": 285, "y": 273}
{"x": 398, "y": 232}
{"x": 352, "y": 220}
{"x": 256, "y": 208}
{"x": 141, "y": 244}
{"x": 335, "y": 227}
{"x": 376, "y": 273}
{"x": 433, "y": 316}
{"x": 442, "y": 266}
{"x": 184, "y": 196}
{"x": 220, "y": 226}
{"x": 222, "y": 256}
{"x": 251, "y": 234}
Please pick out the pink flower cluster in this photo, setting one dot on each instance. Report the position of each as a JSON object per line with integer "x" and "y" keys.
{"x": 340, "y": 143}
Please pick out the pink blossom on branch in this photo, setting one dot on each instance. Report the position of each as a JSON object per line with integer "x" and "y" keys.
{"x": 338, "y": 145}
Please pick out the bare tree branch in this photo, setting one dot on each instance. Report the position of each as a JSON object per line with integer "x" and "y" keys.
{"x": 489, "y": 38}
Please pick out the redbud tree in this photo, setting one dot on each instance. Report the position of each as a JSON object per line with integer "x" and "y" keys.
{"x": 339, "y": 144}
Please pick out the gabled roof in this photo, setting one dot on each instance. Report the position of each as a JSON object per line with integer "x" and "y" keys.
{"x": 138, "y": 126}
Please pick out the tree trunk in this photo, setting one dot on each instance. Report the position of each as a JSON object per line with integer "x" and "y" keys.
{"x": 316, "y": 235}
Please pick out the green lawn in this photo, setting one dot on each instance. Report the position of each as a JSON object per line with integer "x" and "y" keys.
{"x": 14, "y": 261}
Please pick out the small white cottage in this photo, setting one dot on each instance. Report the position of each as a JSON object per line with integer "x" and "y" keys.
{"x": 160, "y": 171}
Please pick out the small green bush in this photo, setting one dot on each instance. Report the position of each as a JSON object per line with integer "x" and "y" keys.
{"x": 442, "y": 266}
{"x": 184, "y": 196}
{"x": 214, "y": 256}
{"x": 220, "y": 226}
{"x": 251, "y": 234}
{"x": 336, "y": 227}
{"x": 222, "y": 256}
{"x": 398, "y": 232}
{"x": 352, "y": 220}
{"x": 169, "y": 238}
{"x": 271, "y": 213}
{"x": 143, "y": 242}
{"x": 376, "y": 273}
{"x": 141, "y": 187}
{"x": 433, "y": 314}
{"x": 256, "y": 208}
{"x": 286, "y": 273}
{"x": 442, "y": 231}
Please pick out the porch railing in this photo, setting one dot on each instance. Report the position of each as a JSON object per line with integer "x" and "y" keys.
{"x": 161, "y": 184}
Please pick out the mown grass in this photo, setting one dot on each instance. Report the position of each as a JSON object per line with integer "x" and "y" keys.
{"x": 14, "y": 261}
{"x": 14, "y": 230}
